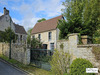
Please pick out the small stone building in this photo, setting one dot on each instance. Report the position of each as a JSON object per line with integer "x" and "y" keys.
{"x": 47, "y": 32}
{"x": 6, "y": 21}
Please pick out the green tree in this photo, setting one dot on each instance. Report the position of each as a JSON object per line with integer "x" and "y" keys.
{"x": 29, "y": 35}
{"x": 40, "y": 20}
{"x": 81, "y": 17}
{"x": 7, "y": 35}
{"x": 91, "y": 17}
{"x": 35, "y": 43}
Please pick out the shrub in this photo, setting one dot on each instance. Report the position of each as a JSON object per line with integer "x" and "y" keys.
{"x": 36, "y": 43}
{"x": 59, "y": 62}
{"x": 78, "y": 67}
{"x": 61, "y": 46}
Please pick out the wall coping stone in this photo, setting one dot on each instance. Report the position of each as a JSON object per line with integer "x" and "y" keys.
{"x": 73, "y": 34}
{"x": 85, "y": 37}
{"x": 88, "y": 45}
{"x": 62, "y": 40}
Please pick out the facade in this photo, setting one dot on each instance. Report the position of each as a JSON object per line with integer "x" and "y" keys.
{"x": 6, "y": 21}
{"x": 47, "y": 32}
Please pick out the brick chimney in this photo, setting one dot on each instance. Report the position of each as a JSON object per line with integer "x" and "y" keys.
{"x": 6, "y": 12}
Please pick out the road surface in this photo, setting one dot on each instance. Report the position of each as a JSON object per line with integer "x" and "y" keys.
{"x": 6, "y": 69}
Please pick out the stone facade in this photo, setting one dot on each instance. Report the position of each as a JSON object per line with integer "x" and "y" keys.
{"x": 45, "y": 37}
{"x": 6, "y": 21}
{"x": 79, "y": 51}
{"x": 18, "y": 52}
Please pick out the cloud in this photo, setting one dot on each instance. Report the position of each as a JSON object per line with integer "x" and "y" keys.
{"x": 29, "y": 23}
{"x": 31, "y": 10}
{"x": 16, "y": 21}
{"x": 1, "y": 13}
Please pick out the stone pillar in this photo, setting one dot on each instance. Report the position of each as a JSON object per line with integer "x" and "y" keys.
{"x": 73, "y": 41}
{"x": 86, "y": 39}
{"x": 27, "y": 57}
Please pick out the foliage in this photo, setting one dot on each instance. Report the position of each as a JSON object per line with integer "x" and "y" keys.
{"x": 40, "y": 20}
{"x": 44, "y": 58}
{"x": 96, "y": 36}
{"x": 41, "y": 55}
{"x": 62, "y": 46}
{"x": 78, "y": 67}
{"x": 29, "y": 36}
{"x": 59, "y": 62}
{"x": 96, "y": 51}
{"x": 36, "y": 44}
{"x": 80, "y": 40}
{"x": 81, "y": 16}
{"x": 7, "y": 35}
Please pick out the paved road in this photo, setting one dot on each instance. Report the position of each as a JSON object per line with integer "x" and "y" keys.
{"x": 6, "y": 69}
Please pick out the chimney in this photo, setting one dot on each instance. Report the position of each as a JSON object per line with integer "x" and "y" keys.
{"x": 6, "y": 12}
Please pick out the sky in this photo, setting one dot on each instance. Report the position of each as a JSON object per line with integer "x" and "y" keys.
{"x": 27, "y": 12}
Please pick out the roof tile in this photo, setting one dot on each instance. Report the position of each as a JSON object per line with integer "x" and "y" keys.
{"x": 19, "y": 29}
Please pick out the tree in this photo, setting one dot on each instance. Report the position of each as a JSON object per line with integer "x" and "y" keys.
{"x": 36, "y": 44}
{"x": 40, "y": 20}
{"x": 29, "y": 36}
{"x": 81, "y": 17}
{"x": 7, "y": 35}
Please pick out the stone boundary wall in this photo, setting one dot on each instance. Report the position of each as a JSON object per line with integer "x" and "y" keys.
{"x": 18, "y": 52}
{"x": 79, "y": 51}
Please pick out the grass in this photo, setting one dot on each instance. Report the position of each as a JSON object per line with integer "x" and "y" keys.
{"x": 29, "y": 68}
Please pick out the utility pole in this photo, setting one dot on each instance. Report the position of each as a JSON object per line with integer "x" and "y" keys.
{"x": 10, "y": 41}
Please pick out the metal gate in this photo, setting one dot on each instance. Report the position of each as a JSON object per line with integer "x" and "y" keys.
{"x": 41, "y": 57}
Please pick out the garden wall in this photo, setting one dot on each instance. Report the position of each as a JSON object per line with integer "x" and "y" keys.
{"x": 79, "y": 51}
{"x": 18, "y": 52}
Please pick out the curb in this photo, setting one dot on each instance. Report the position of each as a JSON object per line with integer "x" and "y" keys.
{"x": 16, "y": 67}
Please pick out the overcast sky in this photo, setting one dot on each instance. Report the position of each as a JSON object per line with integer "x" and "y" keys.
{"x": 27, "y": 12}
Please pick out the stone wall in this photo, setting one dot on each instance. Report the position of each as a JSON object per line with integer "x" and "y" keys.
{"x": 18, "y": 52}
{"x": 79, "y": 51}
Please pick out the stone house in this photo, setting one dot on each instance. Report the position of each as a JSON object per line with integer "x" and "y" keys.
{"x": 6, "y": 21}
{"x": 47, "y": 32}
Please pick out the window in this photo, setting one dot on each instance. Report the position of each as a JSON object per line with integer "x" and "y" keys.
{"x": 49, "y": 36}
{"x": 33, "y": 36}
{"x": 20, "y": 37}
{"x": 39, "y": 36}
{"x": 51, "y": 46}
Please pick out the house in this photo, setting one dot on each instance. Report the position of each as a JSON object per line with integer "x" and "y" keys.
{"x": 47, "y": 32}
{"x": 6, "y": 21}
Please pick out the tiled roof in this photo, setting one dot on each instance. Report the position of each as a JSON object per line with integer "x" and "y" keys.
{"x": 46, "y": 25}
{"x": 19, "y": 29}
